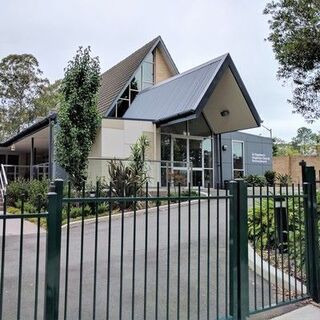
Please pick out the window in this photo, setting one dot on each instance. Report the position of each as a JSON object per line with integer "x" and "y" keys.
{"x": 238, "y": 159}
{"x": 143, "y": 78}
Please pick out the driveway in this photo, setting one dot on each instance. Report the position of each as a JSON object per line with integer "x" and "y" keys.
{"x": 218, "y": 275}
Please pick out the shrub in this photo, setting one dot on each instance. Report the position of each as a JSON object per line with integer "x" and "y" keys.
{"x": 34, "y": 192}
{"x": 14, "y": 191}
{"x": 128, "y": 180}
{"x": 76, "y": 212}
{"x": 284, "y": 179}
{"x": 102, "y": 208}
{"x": 13, "y": 210}
{"x": 270, "y": 177}
{"x": 255, "y": 180}
{"x": 262, "y": 229}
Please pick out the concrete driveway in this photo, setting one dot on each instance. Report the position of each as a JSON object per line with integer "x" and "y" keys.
{"x": 218, "y": 275}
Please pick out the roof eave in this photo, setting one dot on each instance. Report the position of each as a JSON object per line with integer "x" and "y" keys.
{"x": 28, "y": 131}
{"x": 169, "y": 60}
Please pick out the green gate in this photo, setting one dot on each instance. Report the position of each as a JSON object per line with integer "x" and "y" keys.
{"x": 162, "y": 254}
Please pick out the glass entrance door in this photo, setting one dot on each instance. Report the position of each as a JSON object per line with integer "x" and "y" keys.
{"x": 196, "y": 158}
{"x": 186, "y": 159}
{"x": 180, "y": 158}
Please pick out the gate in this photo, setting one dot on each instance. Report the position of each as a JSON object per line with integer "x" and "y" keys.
{"x": 177, "y": 253}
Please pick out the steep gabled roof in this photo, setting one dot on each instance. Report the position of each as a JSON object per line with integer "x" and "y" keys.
{"x": 115, "y": 80}
{"x": 186, "y": 94}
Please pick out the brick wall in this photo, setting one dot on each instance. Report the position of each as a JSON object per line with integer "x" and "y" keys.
{"x": 290, "y": 165}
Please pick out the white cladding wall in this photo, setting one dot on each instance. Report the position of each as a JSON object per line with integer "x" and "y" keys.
{"x": 114, "y": 141}
{"x": 118, "y": 135}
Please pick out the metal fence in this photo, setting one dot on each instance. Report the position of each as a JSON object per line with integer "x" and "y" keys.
{"x": 22, "y": 272}
{"x": 37, "y": 171}
{"x": 162, "y": 256}
{"x": 155, "y": 254}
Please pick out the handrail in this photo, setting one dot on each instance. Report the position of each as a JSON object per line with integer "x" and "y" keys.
{"x": 3, "y": 181}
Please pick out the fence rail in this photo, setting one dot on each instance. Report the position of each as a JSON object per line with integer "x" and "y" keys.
{"x": 17, "y": 260}
{"x": 209, "y": 254}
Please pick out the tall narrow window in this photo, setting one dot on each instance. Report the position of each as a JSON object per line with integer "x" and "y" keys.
{"x": 143, "y": 78}
{"x": 238, "y": 159}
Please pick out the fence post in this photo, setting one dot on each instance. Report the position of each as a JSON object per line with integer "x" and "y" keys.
{"x": 312, "y": 233}
{"x": 239, "y": 272}
{"x": 52, "y": 268}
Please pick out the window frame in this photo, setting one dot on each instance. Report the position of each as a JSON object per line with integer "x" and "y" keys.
{"x": 243, "y": 157}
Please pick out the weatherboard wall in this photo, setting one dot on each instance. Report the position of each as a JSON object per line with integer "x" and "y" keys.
{"x": 257, "y": 154}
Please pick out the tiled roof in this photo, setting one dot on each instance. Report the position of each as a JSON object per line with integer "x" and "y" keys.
{"x": 114, "y": 79}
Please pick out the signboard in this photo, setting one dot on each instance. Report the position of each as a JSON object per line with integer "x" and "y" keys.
{"x": 260, "y": 158}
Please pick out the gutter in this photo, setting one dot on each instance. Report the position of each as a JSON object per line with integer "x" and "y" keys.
{"x": 175, "y": 117}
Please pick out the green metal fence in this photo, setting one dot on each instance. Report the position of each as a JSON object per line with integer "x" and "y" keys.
{"x": 14, "y": 262}
{"x": 174, "y": 253}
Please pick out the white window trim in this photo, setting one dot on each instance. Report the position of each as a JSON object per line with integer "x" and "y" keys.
{"x": 244, "y": 163}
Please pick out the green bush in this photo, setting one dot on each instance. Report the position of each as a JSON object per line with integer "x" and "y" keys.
{"x": 15, "y": 189}
{"x": 33, "y": 192}
{"x": 270, "y": 177}
{"x": 262, "y": 229}
{"x": 255, "y": 180}
{"x": 103, "y": 208}
{"x": 284, "y": 179}
{"x": 128, "y": 180}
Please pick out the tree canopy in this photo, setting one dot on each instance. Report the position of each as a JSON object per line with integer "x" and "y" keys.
{"x": 21, "y": 83}
{"x": 306, "y": 142}
{"x": 295, "y": 37}
{"x": 78, "y": 117}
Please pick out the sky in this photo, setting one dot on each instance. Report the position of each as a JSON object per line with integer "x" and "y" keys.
{"x": 194, "y": 32}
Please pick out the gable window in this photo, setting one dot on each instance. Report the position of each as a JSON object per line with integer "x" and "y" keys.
{"x": 143, "y": 78}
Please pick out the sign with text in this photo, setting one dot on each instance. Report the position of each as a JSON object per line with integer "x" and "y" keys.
{"x": 260, "y": 158}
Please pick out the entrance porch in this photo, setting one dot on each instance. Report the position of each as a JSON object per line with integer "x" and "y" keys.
{"x": 28, "y": 154}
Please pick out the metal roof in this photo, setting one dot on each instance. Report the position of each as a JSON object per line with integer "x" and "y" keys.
{"x": 185, "y": 94}
{"x": 176, "y": 95}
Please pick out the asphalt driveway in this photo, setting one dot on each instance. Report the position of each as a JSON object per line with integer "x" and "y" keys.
{"x": 167, "y": 271}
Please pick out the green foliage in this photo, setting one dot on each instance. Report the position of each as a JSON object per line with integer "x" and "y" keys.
{"x": 138, "y": 151}
{"x": 255, "y": 180}
{"x": 76, "y": 212}
{"x": 295, "y": 34}
{"x": 262, "y": 229}
{"x": 78, "y": 116}
{"x": 270, "y": 177}
{"x": 284, "y": 178}
{"x": 128, "y": 180}
{"x": 34, "y": 193}
{"x": 275, "y": 148}
{"x": 49, "y": 99}
{"x": 21, "y": 83}
{"x": 305, "y": 141}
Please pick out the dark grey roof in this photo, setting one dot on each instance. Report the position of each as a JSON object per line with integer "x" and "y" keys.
{"x": 184, "y": 94}
{"x": 115, "y": 80}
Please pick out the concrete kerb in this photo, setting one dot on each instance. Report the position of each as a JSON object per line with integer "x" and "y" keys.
{"x": 275, "y": 273}
{"x": 131, "y": 213}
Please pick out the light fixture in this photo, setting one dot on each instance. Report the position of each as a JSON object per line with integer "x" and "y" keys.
{"x": 224, "y": 147}
{"x": 13, "y": 147}
{"x": 224, "y": 113}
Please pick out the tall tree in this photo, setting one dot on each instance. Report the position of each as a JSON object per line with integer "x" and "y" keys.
{"x": 305, "y": 140}
{"x": 49, "y": 99}
{"x": 78, "y": 117}
{"x": 295, "y": 34}
{"x": 21, "y": 83}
